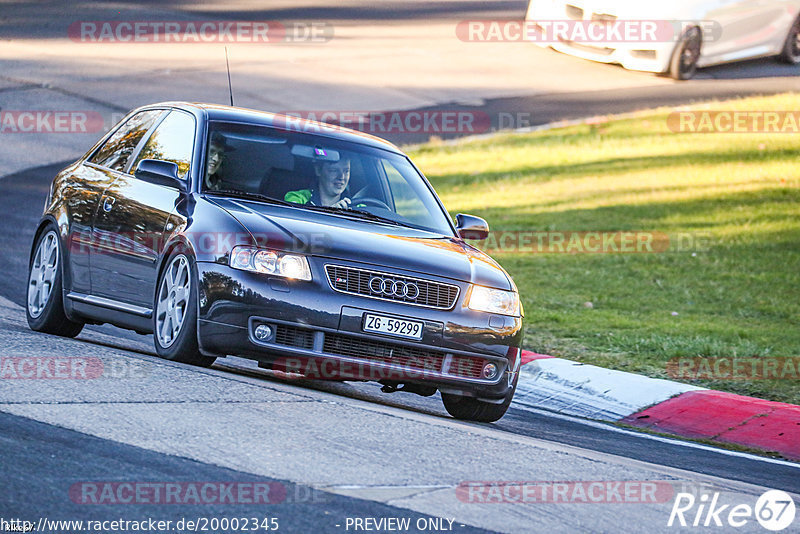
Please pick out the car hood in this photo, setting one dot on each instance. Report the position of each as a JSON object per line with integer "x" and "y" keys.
{"x": 639, "y": 10}
{"x": 378, "y": 245}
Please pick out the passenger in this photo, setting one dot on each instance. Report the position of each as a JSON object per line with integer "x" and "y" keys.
{"x": 217, "y": 150}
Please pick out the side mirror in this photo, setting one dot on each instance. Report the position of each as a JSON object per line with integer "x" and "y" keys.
{"x": 160, "y": 172}
{"x": 471, "y": 227}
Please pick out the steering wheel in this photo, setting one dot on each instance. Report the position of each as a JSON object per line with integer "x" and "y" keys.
{"x": 369, "y": 201}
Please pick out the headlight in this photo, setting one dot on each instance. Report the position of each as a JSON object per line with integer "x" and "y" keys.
{"x": 272, "y": 262}
{"x": 490, "y": 300}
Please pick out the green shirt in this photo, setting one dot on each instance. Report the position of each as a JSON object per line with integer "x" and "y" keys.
{"x": 304, "y": 196}
{"x": 298, "y": 197}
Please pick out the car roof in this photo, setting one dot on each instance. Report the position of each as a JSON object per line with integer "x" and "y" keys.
{"x": 218, "y": 112}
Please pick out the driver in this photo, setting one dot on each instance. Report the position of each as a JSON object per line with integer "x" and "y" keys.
{"x": 332, "y": 180}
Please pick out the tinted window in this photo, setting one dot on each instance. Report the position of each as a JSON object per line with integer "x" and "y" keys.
{"x": 319, "y": 171}
{"x": 115, "y": 152}
{"x": 172, "y": 141}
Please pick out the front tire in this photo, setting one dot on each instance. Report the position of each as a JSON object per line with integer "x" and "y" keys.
{"x": 683, "y": 64}
{"x": 175, "y": 313}
{"x": 470, "y": 409}
{"x": 45, "y": 299}
{"x": 791, "y": 48}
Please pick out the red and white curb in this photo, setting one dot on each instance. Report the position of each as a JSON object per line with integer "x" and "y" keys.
{"x": 592, "y": 392}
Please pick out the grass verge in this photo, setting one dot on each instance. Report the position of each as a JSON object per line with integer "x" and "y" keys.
{"x": 728, "y": 286}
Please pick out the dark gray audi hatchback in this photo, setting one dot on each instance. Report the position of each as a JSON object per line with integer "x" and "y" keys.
{"x": 318, "y": 251}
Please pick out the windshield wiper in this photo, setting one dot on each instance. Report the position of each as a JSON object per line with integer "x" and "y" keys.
{"x": 358, "y": 214}
{"x": 367, "y": 215}
{"x": 251, "y": 196}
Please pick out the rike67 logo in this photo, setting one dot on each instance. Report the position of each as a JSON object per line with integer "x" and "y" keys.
{"x": 774, "y": 510}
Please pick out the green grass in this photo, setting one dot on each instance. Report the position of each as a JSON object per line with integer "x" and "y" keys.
{"x": 738, "y": 295}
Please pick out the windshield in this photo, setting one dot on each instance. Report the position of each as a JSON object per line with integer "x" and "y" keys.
{"x": 321, "y": 174}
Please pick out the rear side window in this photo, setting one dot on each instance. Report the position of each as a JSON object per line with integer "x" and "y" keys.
{"x": 172, "y": 141}
{"x": 118, "y": 148}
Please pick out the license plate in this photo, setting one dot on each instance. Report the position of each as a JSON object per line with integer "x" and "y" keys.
{"x": 392, "y": 326}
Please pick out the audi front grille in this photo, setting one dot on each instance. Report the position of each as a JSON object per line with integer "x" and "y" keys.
{"x": 393, "y": 287}
{"x": 416, "y": 359}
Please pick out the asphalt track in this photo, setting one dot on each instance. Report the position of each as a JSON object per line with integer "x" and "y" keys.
{"x": 33, "y": 452}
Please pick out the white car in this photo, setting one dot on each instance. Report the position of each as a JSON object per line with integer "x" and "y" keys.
{"x": 703, "y": 32}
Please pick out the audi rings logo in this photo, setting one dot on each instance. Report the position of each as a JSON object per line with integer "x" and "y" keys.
{"x": 393, "y": 288}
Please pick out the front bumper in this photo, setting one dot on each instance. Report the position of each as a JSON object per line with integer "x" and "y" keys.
{"x": 317, "y": 332}
{"x": 646, "y": 57}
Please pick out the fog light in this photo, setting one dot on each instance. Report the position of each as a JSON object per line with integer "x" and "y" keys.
{"x": 263, "y": 332}
{"x": 489, "y": 371}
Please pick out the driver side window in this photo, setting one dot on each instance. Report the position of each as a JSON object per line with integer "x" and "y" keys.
{"x": 118, "y": 148}
{"x": 172, "y": 141}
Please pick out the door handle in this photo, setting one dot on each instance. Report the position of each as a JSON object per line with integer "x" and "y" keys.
{"x": 108, "y": 203}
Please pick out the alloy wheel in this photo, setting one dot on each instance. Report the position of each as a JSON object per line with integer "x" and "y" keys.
{"x": 173, "y": 300}
{"x": 691, "y": 51}
{"x": 43, "y": 274}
